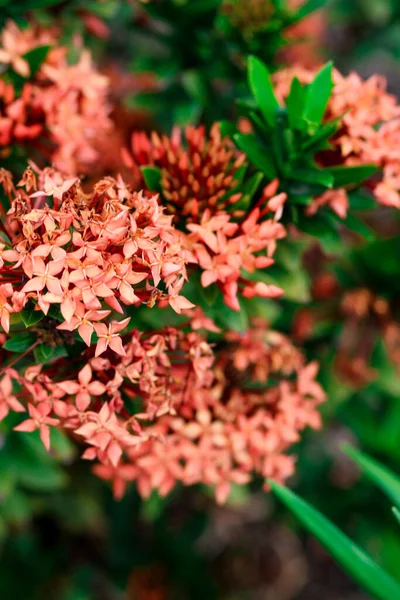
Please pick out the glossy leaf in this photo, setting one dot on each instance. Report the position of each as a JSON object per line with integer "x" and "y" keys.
{"x": 44, "y": 353}
{"x": 257, "y": 155}
{"x": 314, "y": 176}
{"x": 344, "y": 176}
{"x": 31, "y": 317}
{"x": 261, "y": 86}
{"x": 20, "y": 342}
{"x": 295, "y": 103}
{"x": 318, "y": 95}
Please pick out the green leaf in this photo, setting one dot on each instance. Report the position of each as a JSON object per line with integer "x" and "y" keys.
{"x": 320, "y": 140}
{"x": 387, "y": 481}
{"x": 44, "y": 353}
{"x": 262, "y": 89}
{"x": 324, "y": 229}
{"x": 256, "y": 154}
{"x": 20, "y": 342}
{"x": 318, "y": 94}
{"x": 361, "y": 200}
{"x": 396, "y": 513}
{"x": 350, "y": 175}
{"x": 358, "y": 226}
{"x": 351, "y": 557}
{"x": 227, "y": 128}
{"x": 209, "y": 294}
{"x": 35, "y": 58}
{"x": 152, "y": 178}
{"x": 314, "y": 176}
{"x": 309, "y": 7}
{"x": 31, "y": 317}
{"x": 295, "y": 103}
{"x": 248, "y": 190}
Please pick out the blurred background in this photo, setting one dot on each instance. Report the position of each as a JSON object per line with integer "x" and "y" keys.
{"x": 63, "y": 537}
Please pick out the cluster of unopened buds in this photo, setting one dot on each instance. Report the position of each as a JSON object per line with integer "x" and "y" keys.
{"x": 198, "y": 186}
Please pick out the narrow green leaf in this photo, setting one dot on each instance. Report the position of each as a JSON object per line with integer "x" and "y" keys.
{"x": 361, "y": 200}
{"x": 351, "y": 175}
{"x": 318, "y": 94}
{"x": 20, "y": 342}
{"x": 314, "y": 176}
{"x": 152, "y": 178}
{"x": 262, "y": 89}
{"x": 256, "y": 154}
{"x": 387, "y": 481}
{"x": 358, "y": 226}
{"x": 295, "y": 103}
{"x": 396, "y": 513}
{"x": 250, "y": 187}
{"x": 351, "y": 557}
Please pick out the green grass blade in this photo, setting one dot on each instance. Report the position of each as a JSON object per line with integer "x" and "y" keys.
{"x": 387, "y": 481}
{"x": 351, "y": 557}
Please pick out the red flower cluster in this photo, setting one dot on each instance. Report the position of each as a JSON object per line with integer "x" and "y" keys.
{"x": 369, "y": 120}
{"x": 260, "y": 397}
{"x": 82, "y": 252}
{"x": 61, "y": 110}
{"x": 152, "y": 407}
{"x": 198, "y": 181}
{"x": 161, "y": 370}
{"x": 192, "y": 423}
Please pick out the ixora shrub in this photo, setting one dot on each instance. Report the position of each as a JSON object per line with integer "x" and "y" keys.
{"x": 179, "y": 304}
{"x": 196, "y": 401}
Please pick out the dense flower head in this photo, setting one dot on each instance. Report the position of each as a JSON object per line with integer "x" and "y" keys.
{"x": 167, "y": 411}
{"x": 198, "y": 188}
{"x": 262, "y": 396}
{"x": 61, "y": 110}
{"x": 94, "y": 398}
{"x": 88, "y": 254}
{"x": 369, "y": 125}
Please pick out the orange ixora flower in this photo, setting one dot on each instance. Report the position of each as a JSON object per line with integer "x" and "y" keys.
{"x": 62, "y": 109}
{"x": 198, "y": 181}
{"x": 200, "y": 417}
{"x": 88, "y": 253}
{"x": 224, "y": 432}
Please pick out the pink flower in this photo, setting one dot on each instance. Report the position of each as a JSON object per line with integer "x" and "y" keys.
{"x": 108, "y": 337}
{"x": 6, "y": 291}
{"x": 84, "y": 388}
{"x": 41, "y": 420}
{"x": 8, "y": 400}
